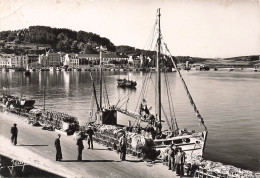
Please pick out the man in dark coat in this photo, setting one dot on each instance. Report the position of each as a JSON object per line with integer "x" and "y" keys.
{"x": 90, "y": 133}
{"x": 122, "y": 144}
{"x": 58, "y": 148}
{"x": 179, "y": 162}
{"x": 14, "y": 132}
{"x": 80, "y": 147}
{"x": 171, "y": 157}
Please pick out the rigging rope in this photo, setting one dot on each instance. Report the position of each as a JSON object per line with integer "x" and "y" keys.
{"x": 167, "y": 120}
{"x": 106, "y": 92}
{"x": 170, "y": 102}
{"x": 141, "y": 93}
{"x": 188, "y": 93}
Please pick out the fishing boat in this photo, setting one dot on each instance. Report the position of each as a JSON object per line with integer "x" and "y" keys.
{"x": 150, "y": 142}
{"x": 27, "y": 72}
{"x": 204, "y": 68}
{"x": 126, "y": 83}
{"x": 18, "y": 105}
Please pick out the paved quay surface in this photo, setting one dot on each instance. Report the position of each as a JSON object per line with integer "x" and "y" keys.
{"x": 36, "y": 147}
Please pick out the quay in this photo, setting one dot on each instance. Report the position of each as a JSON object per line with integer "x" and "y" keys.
{"x": 36, "y": 147}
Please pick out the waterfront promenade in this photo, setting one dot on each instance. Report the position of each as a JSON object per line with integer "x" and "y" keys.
{"x": 36, "y": 147}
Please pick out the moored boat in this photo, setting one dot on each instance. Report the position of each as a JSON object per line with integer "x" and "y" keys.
{"x": 150, "y": 142}
{"x": 126, "y": 83}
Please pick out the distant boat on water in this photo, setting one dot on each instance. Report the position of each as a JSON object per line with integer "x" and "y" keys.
{"x": 27, "y": 71}
{"x": 231, "y": 69}
{"x": 126, "y": 83}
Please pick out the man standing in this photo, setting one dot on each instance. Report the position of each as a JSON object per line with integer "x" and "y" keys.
{"x": 80, "y": 147}
{"x": 90, "y": 133}
{"x": 179, "y": 161}
{"x": 171, "y": 157}
{"x": 58, "y": 148}
{"x": 14, "y": 132}
{"x": 122, "y": 145}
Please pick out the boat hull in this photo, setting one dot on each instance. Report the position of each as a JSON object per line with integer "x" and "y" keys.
{"x": 193, "y": 145}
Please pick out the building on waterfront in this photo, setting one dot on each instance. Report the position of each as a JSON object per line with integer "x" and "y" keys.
{"x": 20, "y": 61}
{"x": 85, "y": 60}
{"x": 135, "y": 60}
{"x": 32, "y": 58}
{"x": 72, "y": 60}
{"x": 6, "y": 60}
{"x": 54, "y": 59}
{"x": 43, "y": 60}
{"x": 13, "y": 61}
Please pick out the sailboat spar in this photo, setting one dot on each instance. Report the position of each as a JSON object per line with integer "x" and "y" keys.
{"x": 152, "y": 138}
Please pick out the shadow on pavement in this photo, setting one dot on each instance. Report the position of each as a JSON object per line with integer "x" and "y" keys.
{"x": 31, "y": 145}
{"x": 99, "y": 149}
{"x": 90, "y": 161}
{"x": 134, "y": 161}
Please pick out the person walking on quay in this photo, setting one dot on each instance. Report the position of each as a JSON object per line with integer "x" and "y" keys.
{"x": 171, "y": 157}
{"x": 179, "y": 161}
{"x": 122, "y": 145}
{"x": 90, "y": 133}
{"x": 80, "y": 147}
{"x": 14, "y": 132}
{"x": 58, "y": 148}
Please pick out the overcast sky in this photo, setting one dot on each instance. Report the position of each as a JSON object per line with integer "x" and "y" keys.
{"x": 202, "y": 28}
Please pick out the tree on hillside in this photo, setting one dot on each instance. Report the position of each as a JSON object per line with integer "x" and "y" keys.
{"x": 11, "y": 37}
{"x": 74, "y": 47}
{"x": 89, "y": 50}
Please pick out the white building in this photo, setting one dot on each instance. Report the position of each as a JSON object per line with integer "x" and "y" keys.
{"x": 5, "y": 61}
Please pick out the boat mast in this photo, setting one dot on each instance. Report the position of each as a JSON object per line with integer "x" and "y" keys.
{"x": 94, "y": 91}
{"x": 44, "y": 98}
{"x": 159, "y": 72}
{"x": 100, "y": 82}
{"x": 21, "y": 88}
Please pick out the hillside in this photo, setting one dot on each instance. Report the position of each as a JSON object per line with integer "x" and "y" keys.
{"x": 39, "y": 39}
{"x": 54, "y": 39}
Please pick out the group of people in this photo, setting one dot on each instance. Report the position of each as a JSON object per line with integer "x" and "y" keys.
{"x": 79, "y": 143}
{"x": 90, "y": 133}
{"x": 176, "y": 156}
{"x": 176, "y": 159}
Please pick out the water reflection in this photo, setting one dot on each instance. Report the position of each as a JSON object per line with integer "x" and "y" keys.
{"x": 228, "y": 101}
{"x": 66, "y": 78}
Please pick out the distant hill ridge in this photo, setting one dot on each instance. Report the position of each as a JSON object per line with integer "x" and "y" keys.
{"x": 57, "y": 39}
{"x": 39, "y": 39}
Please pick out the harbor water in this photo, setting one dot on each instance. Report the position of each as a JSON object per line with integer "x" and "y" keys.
{"x": 229, "y": 102}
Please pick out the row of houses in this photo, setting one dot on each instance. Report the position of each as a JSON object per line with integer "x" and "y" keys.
{"x": 13, "y": 61}
{"x": 62, "y": 59}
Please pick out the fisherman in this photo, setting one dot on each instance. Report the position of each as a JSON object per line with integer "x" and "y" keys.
{"x": 171, "y": 157}
{"x": 80, "y": 147}
{"x": 151, "y": 119}
{"x": 144, "y": 111}
{"x": 179, "y": 161}
{"x": 122, "y": 145}
{"x": 58, "y": 148}
{"x": 14, "y": 132}
{"x": 90, "y": 133}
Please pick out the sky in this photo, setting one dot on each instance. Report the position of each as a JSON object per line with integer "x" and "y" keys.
{"x": 198, "y": 28}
